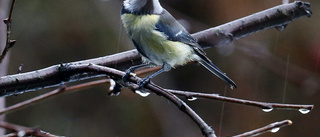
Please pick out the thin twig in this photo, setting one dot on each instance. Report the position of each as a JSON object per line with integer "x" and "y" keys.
{"x": 206, "y": 130}
{"x": 263, "y": 105}
{"x": 55, "y": 92}
{"x": 11, "y": 10}
{"x": 275, "y": 17}
{"x": 274, "y": 127}
{"x": 9, "y": 42}
{"x": 31, "y": 101}
{"x": 25, "y": 131}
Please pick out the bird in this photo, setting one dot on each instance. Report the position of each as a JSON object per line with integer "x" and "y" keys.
{"x": 161, "y": 40}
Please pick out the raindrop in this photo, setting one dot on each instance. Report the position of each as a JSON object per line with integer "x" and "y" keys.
{"x": 192, "y": 98}
{"x": 115, "y": 94}
{"x": 304, "y": 110}
{"x": 267, "y": 109}
{"x": 21, "y": 133}
{"x": 232, "y": 87}
{"x": 142, "y": 93}
{"x": 309, "y": 13}
{"x": 281, "y": 28}
{"x": 276, "y": 129}
{"x": 112, "y": 85}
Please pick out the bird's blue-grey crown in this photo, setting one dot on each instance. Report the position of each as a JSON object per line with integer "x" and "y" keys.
{"x": 142, "y": 7}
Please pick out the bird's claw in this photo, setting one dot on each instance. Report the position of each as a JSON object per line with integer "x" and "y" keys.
{"x": 143, "y": 82}
{"x": 126, "y": 77}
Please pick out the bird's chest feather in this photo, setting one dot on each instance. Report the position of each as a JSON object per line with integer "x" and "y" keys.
{"x": 155, "y": 45}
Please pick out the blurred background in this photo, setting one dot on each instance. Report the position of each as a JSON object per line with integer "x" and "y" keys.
{"x": 51, "y": 32}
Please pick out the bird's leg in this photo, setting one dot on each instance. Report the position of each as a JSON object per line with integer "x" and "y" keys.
{"x": 165, "y": 67}
{"x": 130, "y": 70}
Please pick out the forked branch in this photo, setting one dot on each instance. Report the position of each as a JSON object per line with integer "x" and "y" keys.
{"x": 9, "y": 42}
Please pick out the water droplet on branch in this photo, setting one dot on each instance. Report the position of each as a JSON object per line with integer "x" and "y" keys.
{"x": 304, "y": 110}
{"x": 281, "y": 28}
{"x": 21, "y": 133}
{"x": 192, "y": 98}
{"x": 267, "y": 109}
{"x": 142, "y": 93}
{"x": 276, "y": 129}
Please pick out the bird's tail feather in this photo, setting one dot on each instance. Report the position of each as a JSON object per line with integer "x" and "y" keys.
{"x": 215, "y": 70}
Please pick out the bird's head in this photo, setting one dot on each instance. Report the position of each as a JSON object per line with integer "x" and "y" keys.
{"x": 143, "y": 6}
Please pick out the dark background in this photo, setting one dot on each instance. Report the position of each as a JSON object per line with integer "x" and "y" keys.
{"x": 51, "y": 32}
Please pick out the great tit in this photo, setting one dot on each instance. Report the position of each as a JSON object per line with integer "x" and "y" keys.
{"x": 162, "y": 40}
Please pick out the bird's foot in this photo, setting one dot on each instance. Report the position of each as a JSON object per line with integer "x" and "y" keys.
{"x": 126, "y": 76}
{"x": 143, "y": 82}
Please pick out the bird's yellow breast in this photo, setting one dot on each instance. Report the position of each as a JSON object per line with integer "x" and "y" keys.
{"x": 155, "y": 45}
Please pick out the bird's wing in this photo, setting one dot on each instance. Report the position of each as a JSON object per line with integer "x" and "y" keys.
{"x": 175, "y": 31}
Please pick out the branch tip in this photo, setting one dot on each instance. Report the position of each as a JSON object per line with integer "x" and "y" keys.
{"x": 273, "y": 127}
{"x": 306, "y": 6}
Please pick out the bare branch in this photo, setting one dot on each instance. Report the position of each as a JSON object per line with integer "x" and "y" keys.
{"x": 55, "y": 75}
{"x": 224, "y": 34}
{"x": 9, "y": 42}
{"x": 53, "y": 93}
{"x": 262, "y": 105}
{"x": 24, "y": 131}
{"x": 274, "y": 127}
{"x": 276, "y": 17}
{"x": 31, "y": 101}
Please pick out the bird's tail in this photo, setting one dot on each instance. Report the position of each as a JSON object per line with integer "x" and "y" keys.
{"x": 215, "y": 70}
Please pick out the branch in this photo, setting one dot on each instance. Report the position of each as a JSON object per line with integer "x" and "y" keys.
{"x": 53, "y": 93}
{"x": 263, "y": 105}
{"x": 9, "y": 42}
{"x": 276, "y": 17}
{"x": 58, "y": 74}
{"x": 274, "y": 127}
{"x": 224, "y": 34}
{"x": 24, "y": 131}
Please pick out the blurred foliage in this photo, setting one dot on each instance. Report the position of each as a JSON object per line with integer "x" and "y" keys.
{"x": 51, "y": 32}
